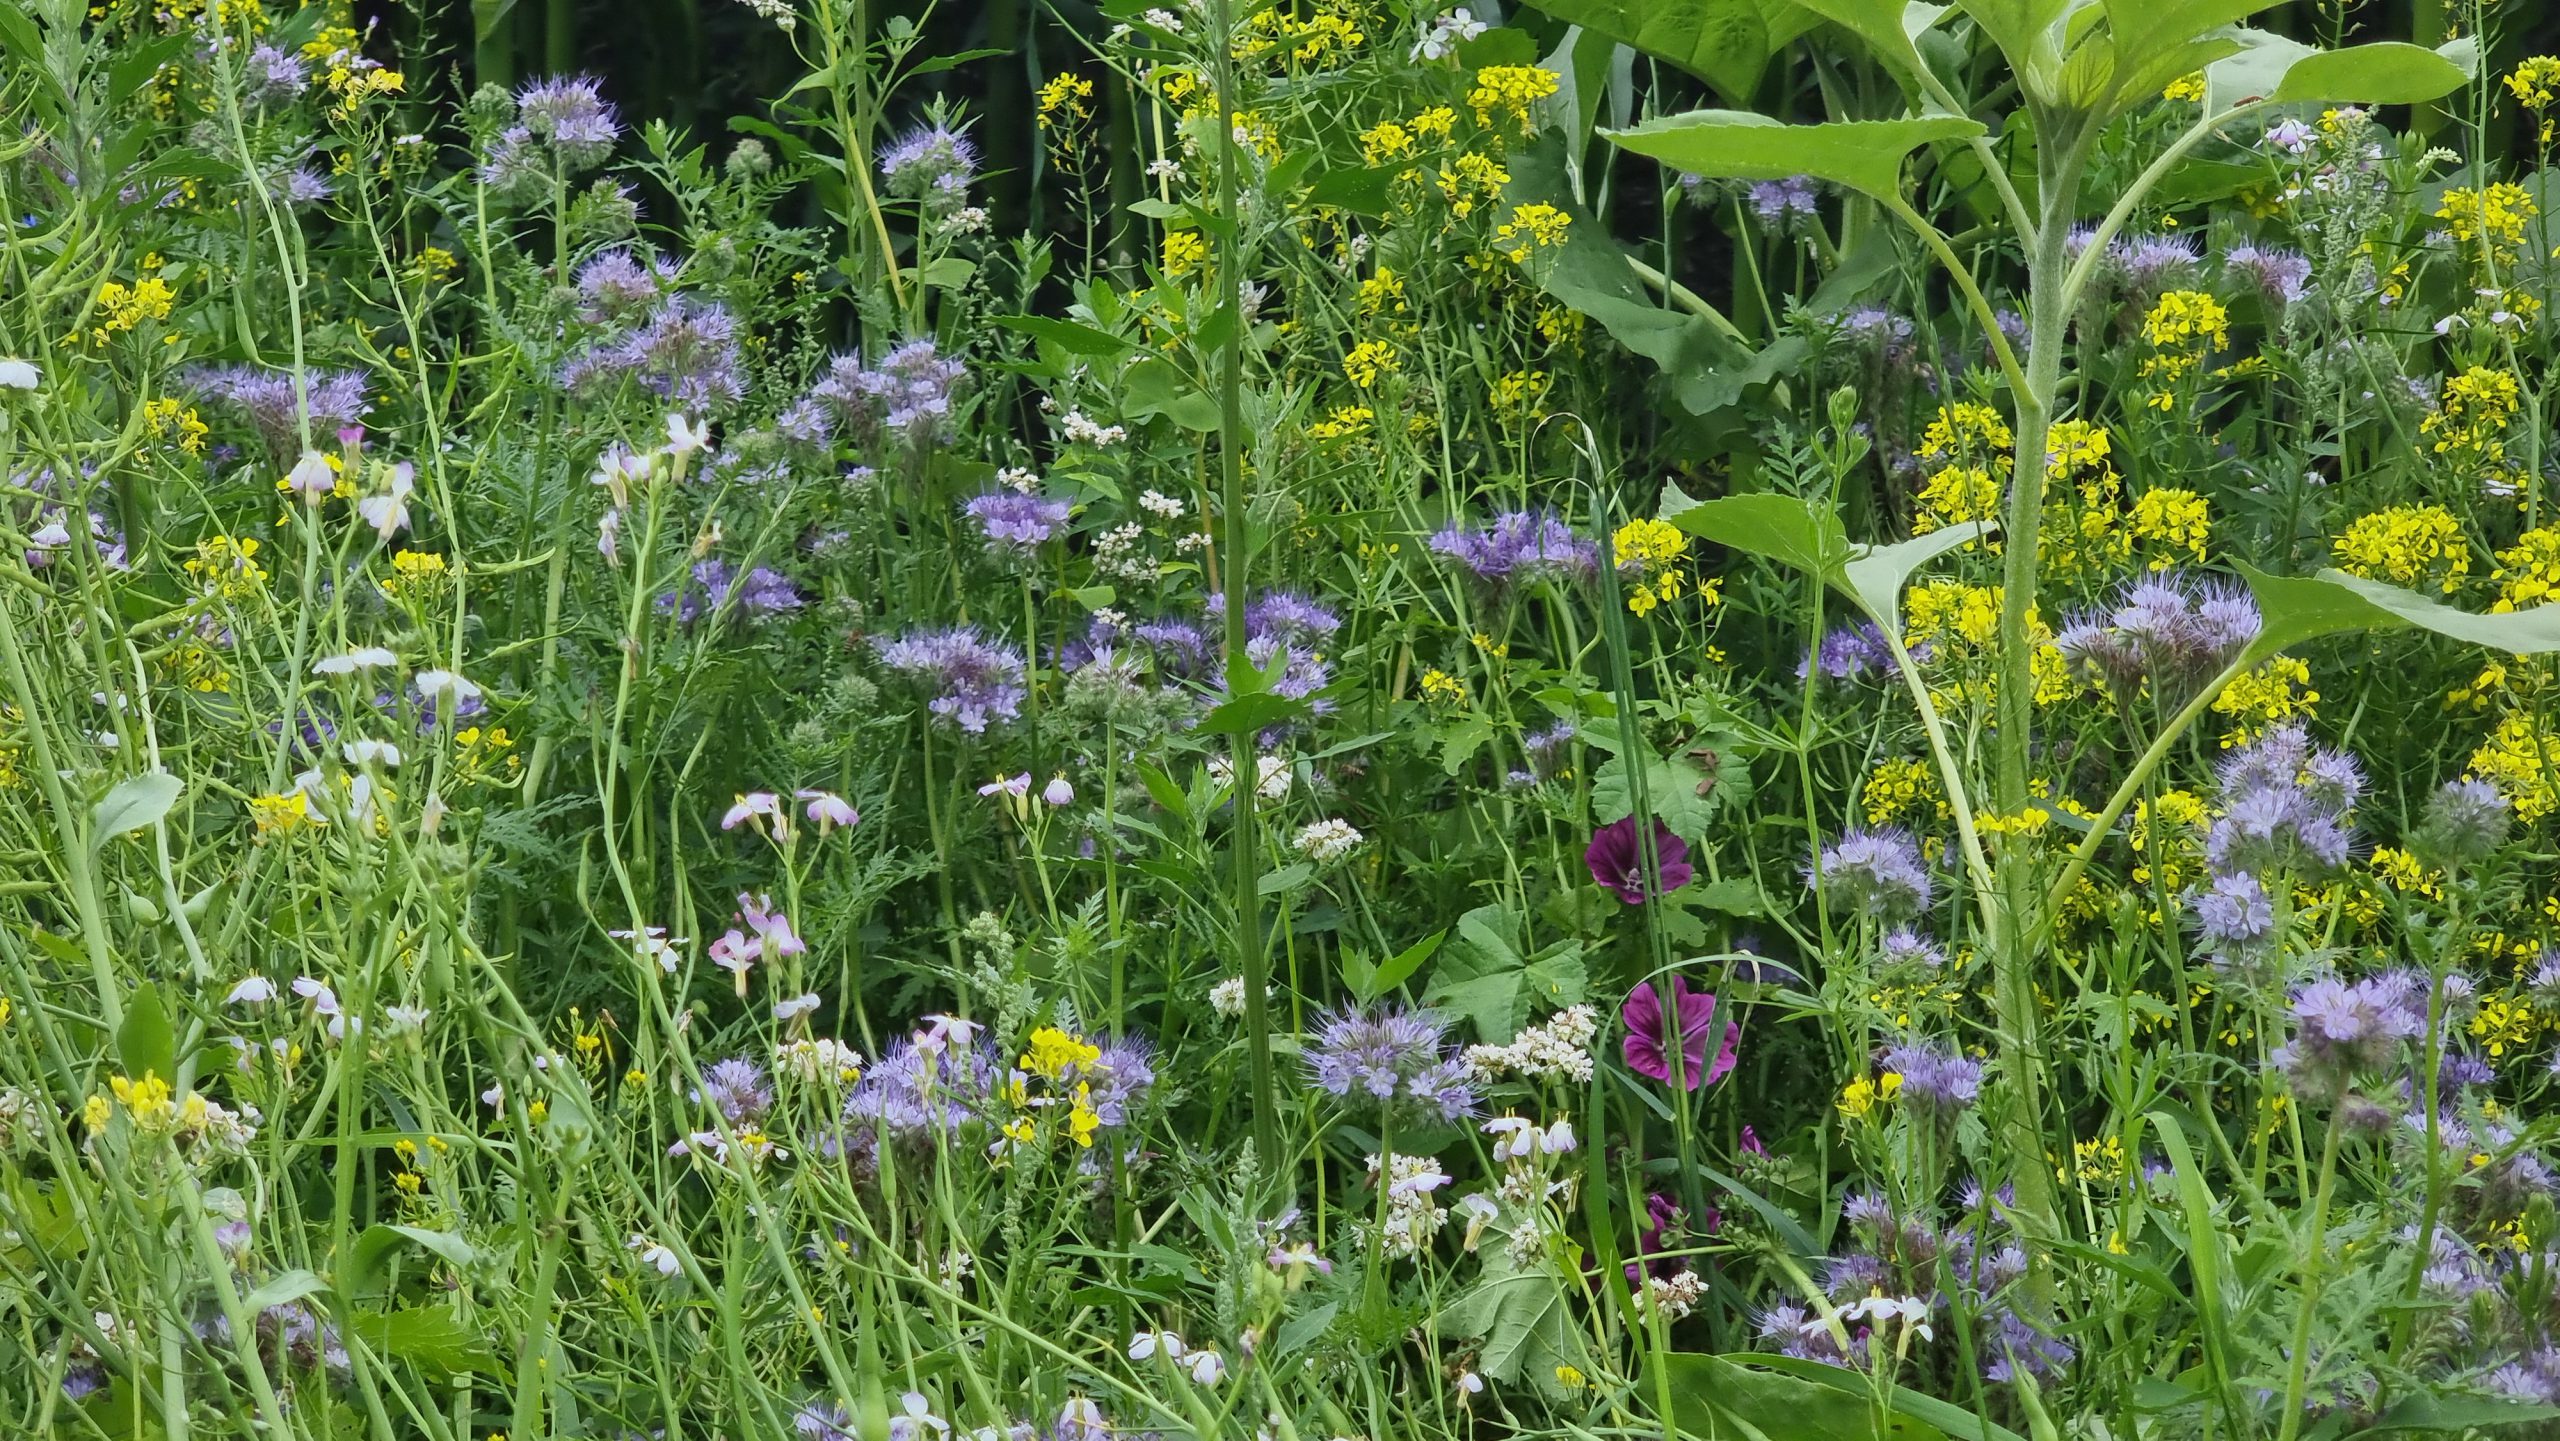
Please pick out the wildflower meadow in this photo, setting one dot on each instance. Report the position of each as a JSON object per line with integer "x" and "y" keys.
{"x": 1279, "y": 720}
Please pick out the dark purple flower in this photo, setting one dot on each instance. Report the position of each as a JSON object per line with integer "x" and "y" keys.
{"x": 1652, "y": 1039}
{"x": 1617, "y": 860}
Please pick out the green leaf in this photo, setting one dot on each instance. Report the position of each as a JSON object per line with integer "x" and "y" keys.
{"x": 1723, "y": 42}
{"x": 1864, "y": 155}
{"x": 134, "y": 803}
{"x": 2025, "y": 31}
{"x": 1483, "y": 976}
{"x": 291, "y": 1286}
{"x": 1747, "y": 1396}
{"x": 1460, "y": 739}
{"x": 1808, "y": 538}
{"x": 1889, "y": 28}
{"x": 1253, "y": 711}
{"x": 1068, "y": 336}
{"x": 2455, "y": 1415}
{"x": 2334, "y": 602}
{"x": 1916, "y": 1408}
{"x": 1521, "y": 1320}
{"x": 1393, "y": 971}
{"x": 1157, "y": 387}
{"x": 146, "y": 1044}
{"x": 2143, "y": 33}
{"x": 1359, "y": 190}
{"x": 1672, "y": 793}
{"x": 2385, "y": 73}
{"x": 434, "y": 1338}
{"x": 378, "y": 1242}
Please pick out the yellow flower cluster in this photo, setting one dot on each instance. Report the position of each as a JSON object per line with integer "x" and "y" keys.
{"x": 1053, "y": 1057}
{"x": 1649, "y": 553}
{"x": 2492, "y": 217}
{"x": 2409, "y": 545}
{"x": 2528, "y": 572}
{"x": 2084, "y": 526}
{"x": 1899, "y": 788}
{"x": 1441, "y": 688}
{"x": 417, "y": 575}
{"x": 2255, "y": 699}
{"x": 228, "y": 568}
{"x": 2517, "y": 756}
{"x": 2406, "y": 874}
{"x": 1972, "y": 446}
{"x": 1065, "y": 103}
{"x": 355, "y": 84}
{"x": 2183, "y": 326}
{"x": 1518, "y": 394}
{"x": 1369, "y": 360}
{"x": 1861, "y": 1097}
{"x": 1383, "y": 292}
{"x": 2472, "y": 414}
{"x": 1476, "y": 180}
{"x": 2505, "y": 1023}
{"x": 1327, "y": 37}
{"x": 1510, "y": 90}
{"x": 119, "y": 307}
{"x": 281, "y": 815}
{"x": 2535, "y": 81}
{"x": 1385, "y": 141}
{"x": 2173, "y": 520}
{"x": 1531, "y": 227}
{"x": 1345, "y": 422}
{"x": 1184, "y": 252}
{"x": 175, "y": 421}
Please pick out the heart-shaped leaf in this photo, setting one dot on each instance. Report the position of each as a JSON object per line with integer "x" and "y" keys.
{"x": 1808, "y": 537}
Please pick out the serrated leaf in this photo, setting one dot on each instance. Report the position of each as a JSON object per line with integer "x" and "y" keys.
{"x": 1670, "y": 791}
{"x": 135, "y": 802}
{"x": 1521, "y": 1321}
{"x": 1483, "y": 976}
{"x": 1864, "y": 155}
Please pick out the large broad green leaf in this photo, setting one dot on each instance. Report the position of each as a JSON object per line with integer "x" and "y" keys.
{"x": 1723, "y": 1395}
{"x": 1482, "y": 975}
{"x": 1889, "y": 28}
{"x": 2027, "y": 32}
{"x": 434, "y": 1338}
{"x": 147, "y": 1044}
{"x": 1808, "y": 537}
{"x": 2385, "y": 73}
{"x": 2334, "y": 603}
{"x": 1521, "y": 1320}
{"x": 1678, "y": 792}
{"x": 1723, "y": 42}
{"x": 2142, "y": 32}
{"x": 1864, "y": 155}
{"x": 2388, "y": 73}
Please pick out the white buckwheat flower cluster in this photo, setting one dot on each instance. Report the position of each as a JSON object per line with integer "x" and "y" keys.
{"x": 1328, "y": 840}
{"x": 1558, "y": 1050}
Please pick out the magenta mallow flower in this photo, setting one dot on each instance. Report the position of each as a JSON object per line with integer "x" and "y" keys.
{"x": 1651, "y": 1036}
{"x": 1617, "y": 861}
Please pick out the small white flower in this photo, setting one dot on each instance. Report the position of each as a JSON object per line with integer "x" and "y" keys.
{"x": 373, "y": 753}
{"x": 1148, "y": 1344}
{"x": 17, "y": 375}
{"x": 388, "y": 513}
{"x": 313, "y": 477}
{"x": 444, "y": 685}
{"x": 1057, "y": 792}
{"x": 684, "y": 436}
{"x": 324, "y": 1001}
{"x": 656, "y": 1255}
{"x": 1328, "y": 840}
{"x": 1207, "y": 1367}
{"x": 795, "y": 1007}
{"x": 256, "y": 990}
{"x": 405, "y": 1018}
{"x": 363, "y": 657}
{"x": 918, "y": 1418}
